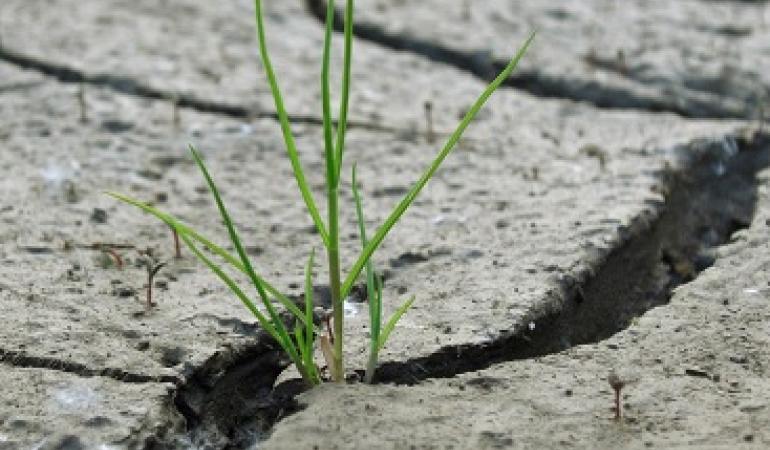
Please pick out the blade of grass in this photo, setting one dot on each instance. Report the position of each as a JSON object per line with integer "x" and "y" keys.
{"x": 371, "y": 289}
{"x": 263, "y": 321}
{"x": 288, "y": 136}
{"x": 300, "y": 338}
{"x": 393, "y": 321}
{"x": 332, "y": 186}
{"x": 234, "y": 238}
{"x": 305, "y": 346}
{"x": 331, "y": 165}
{"x": 374, "y": 338}
{"x": 345, "y": 100}
{"x": 309, "y": 332}
{"x": 374, "y": 292}
{"x": 278, "y": 323}
{"x": 399, "y": 210}
{"x": 274, "y": 326}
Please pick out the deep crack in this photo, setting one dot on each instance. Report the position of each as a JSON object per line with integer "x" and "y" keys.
{"x": 231, "y": 400}
{"x": 710, "y": 198}
{"x": 21, "y": 359}
{"x": 130, "y": 86}
{"x": 535, "y": 82}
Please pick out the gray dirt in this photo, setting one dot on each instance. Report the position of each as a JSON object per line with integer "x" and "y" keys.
{"x": 566, "y": 237}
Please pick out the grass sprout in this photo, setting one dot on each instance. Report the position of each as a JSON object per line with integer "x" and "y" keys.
{"x": 295, "y": 330}
{"x": 378, "y": 335}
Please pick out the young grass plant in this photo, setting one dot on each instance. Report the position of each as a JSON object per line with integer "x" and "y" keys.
{"x": 299, "y": 345}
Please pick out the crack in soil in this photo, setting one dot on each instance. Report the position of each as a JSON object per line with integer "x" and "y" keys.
{"x": 710, "y": 198}
{"x": 747, "y": 101}
{"x": 130, "y": 86}
{"x": 231, "y": 401}
{"x": 22, "y": 360}
{"x": 485, "y": 67}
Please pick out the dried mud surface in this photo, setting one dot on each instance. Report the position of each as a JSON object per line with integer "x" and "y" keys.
{"x": 693, "y": 57}
{"x": 543, "y": 255}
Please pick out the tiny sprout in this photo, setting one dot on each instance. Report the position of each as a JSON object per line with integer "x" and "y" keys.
{"x": 152, "y": 270}
{"x": 115, "y": 256}
{"x": 594, "y": 151}
{"x": 177, "y": 247}
{"x": 617, "y": 385}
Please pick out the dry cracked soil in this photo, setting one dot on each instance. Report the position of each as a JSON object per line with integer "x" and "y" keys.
{"x": 605, "y": 219}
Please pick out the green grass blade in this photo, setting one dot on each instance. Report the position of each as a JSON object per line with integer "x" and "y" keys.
{"x": 331, "y": 165}
{"x": 373, "y": 289}
{"x": 375, "y": 301}
{"x": 345, "y": 100}
{"x": 263, "y": 321}
{"x": 291, "y": 147}
{"x": 393, "y": 321}
{"x": 309, "y": 308}
{"x": 375, "y": 345}
{"x": 278, "y": 323}
{"x": 305, "y": 345}
{"x": 300, "y": 338}
{"x": 183, "y": 229}
{"x": 383, "y": 231}
{"x": 274, "y": 326}
{"x": 234, "y": 238}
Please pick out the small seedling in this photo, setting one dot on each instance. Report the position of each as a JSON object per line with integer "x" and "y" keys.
{"x": 299, "y": 345}
{"x": 617, "y": 385}
{"x": 115, "y": 256}
{"x": 152, "y": 269}
{"x": 594, "y": 151}
{"x": 177, "y": 247}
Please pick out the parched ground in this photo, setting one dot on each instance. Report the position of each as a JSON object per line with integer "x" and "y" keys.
{"x": 607, "y": 213}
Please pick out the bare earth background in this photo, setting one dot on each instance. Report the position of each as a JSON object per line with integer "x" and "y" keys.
{"x": 608, "y": 211}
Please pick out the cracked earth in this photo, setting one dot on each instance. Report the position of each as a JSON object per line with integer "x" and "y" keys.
{"x": 607, "y": 213}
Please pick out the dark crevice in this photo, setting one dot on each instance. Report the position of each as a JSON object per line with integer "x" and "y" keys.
{"x": 232, "y": 400}
{"x": 710, "y": 198}
{"x": 482, "y": 65}
{"x": 20, "y": 359}
{"x": 130, "y": 86}
{"x": 728, "y": 98}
